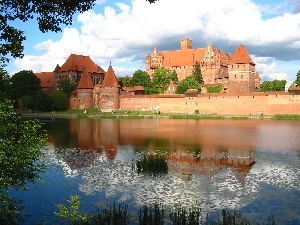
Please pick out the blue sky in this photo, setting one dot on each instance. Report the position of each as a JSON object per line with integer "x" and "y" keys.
{"x": 125, "y": 31}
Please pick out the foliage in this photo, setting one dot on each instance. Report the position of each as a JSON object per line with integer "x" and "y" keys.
{"x": 152, "y": 165}
{"x": 124, "y": 81}
{"x": 111, "y": 215}
{"x": 189, "y": 82}
{"x": 66, "y": 86}
{"x": 297, "y": 81}
{"x": 174, "y": 76}
{"x": 72, "y": 212}
{"x": 60, "y": 101}
{"x": 49, "y": 15}
{"x": 149, "y": 215}
{"x": 4, "y": 83}
{"x": 197, "y": 73}
{"x": 275, "y": 85}
{"x": 23, "y": 83}
{"x": 43, "y": 102}
{"x": 162, "y": 76}
{"x": 26, "y": 102}
{"x": 214, "y": 89}
{"x": 20, "y": 150}
{"x": 140, "y": 78}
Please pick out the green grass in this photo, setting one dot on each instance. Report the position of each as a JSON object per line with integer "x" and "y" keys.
{"x": 239, "y": 118}
{"x": 196, "y": 117}
{"x": 286, "y": 117}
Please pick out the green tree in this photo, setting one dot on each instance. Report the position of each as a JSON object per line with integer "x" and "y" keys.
{"x": 141, "y": 78}
{"x": 297, "y": 81}
{"x": 4, "y": 84}
{"x": 189, "y": 82}
{"x": 66, "y": 86}
{"x": 125, "y": 81}
{"x": 174, "y": 76}
{"x": 197, "y": 73}
{"x": 162, "y": 77}
{"x": 24, "y": 83}
{"x": 275, "y": 85}
{"x": 20, "y": 150}
{"x": 43, "y": 102}
{"x": 60, "y": 101}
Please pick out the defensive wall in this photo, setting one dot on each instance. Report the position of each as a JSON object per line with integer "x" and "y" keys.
{"x": 225, "y": 104}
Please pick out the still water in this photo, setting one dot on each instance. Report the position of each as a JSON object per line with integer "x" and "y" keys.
{"x": 252, "y": 166}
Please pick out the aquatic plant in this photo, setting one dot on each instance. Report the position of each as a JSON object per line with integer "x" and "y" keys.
{"x": 152, "y": 215}
{"x": 151, "y": 165}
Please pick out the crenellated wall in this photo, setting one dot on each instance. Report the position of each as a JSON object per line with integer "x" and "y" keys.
{"x": 224, "y": 104}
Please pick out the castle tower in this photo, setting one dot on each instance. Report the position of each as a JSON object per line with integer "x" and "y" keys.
{"x": 109, "y": 92}
{"x": 241, "y": 72}
{"x": 186, "y": 44}
{"x": 85, "y": 91}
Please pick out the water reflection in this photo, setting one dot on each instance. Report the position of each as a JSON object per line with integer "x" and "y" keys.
{"x": 211, "y": 164}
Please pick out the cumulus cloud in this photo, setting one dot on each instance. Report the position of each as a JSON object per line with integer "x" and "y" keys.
{"x": 127, "y": 31}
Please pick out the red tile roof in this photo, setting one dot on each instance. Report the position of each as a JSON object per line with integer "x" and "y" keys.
{"x": 241, "y": 55}
{"x": 86, "y": 81}
{"x": 184, "y": 57}
{"x": 47, "y": 79}
{"x": 78, "y": 63}
{"x": 110, "y": 79}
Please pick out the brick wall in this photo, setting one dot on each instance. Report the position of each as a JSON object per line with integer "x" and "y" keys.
{"x": 225, "y": 104}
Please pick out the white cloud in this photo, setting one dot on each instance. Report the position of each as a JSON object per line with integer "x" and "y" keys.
{"x": 128, "y": 31}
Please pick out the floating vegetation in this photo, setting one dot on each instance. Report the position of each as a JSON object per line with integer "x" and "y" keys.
{"x": 286, "y": 117}
{"x": 197, "y": 116}
{"x": 151, "y": 165}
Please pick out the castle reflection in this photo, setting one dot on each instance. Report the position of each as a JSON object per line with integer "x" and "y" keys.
{"x": 192, "y": 146}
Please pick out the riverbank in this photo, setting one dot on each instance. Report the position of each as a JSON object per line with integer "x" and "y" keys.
{"x": 121, "y": 114}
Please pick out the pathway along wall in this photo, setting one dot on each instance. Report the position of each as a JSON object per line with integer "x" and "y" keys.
{"x": 224, "y": 104}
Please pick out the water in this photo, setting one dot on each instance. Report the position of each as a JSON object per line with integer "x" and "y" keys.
{"x": 210, "y": 166}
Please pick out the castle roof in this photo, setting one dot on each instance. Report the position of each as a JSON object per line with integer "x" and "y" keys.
{"x": 241, "y": 55}
{"x": 47, "y": 79}
{"x": 110, "y": 79}
{"x": 257, "y": 76}
{"x": 78, "y": 63}
{"x": 85, "y": 81}
{"x": 183, "y": 57}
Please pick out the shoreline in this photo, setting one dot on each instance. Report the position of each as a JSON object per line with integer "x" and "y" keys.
{"x": 138, "y": 115}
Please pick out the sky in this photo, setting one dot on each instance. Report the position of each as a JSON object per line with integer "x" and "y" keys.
{"x": 123, "y": 32}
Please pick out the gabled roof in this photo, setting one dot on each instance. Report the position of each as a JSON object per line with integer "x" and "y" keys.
{"x": 110, "y": 79}
{"x": 184, "y": 57}
{"x": 257, "y": 76}
{"x": 86, "y": 81}
{"x": 79, "y": 63}
{"x": 241, "y": 56}
{"x": 47, "y": 79}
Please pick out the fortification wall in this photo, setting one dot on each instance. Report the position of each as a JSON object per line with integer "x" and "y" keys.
{"x": 225, "y": 104}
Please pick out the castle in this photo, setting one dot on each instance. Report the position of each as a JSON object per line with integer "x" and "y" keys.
{"x": 235, "y": 73}
{"x": 100, "y": 89}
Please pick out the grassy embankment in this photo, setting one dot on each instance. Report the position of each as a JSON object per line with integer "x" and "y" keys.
{"x": 124, "y": 114}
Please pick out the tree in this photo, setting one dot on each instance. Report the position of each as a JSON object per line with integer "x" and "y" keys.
{"x": 197, "y": 73}
{"x": 162, "y": 77}
{"x": 4, "y": 83}
{"x": 275, "y": 85}
{"x": 50, "y": 15}
{"x": 189, "y": 82}
{"x": 140, "y": 78}
{"x": 60, "y": 101}
{"x": 43, "y": 102}
{"x": 297, "y": 81}
{"x": 66, "y": 86}
{"x": 20, "y": 149}
{"x": 24, "y": 83}
{"x": 125, "y": 81}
